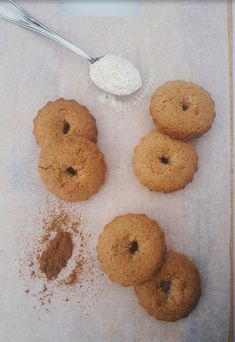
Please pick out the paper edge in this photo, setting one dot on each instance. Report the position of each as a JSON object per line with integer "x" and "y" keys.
{"x": 231, "y": 245}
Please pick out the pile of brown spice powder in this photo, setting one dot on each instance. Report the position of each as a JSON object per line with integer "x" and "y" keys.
{"x": 57, "y": 254}
{"x": 61, "y": 261}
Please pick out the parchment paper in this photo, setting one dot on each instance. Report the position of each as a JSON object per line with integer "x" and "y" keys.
{"x": 181, "y": 40}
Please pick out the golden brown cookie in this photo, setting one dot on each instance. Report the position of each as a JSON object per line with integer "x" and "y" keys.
{"x": 182, "y": 109}
{"x": 74, "y": 170}
{"x": 173, "y": 292}
{"x": 62, "y": 118}
{"x": 164, "y": 164}
{"x": 131, "y": 248}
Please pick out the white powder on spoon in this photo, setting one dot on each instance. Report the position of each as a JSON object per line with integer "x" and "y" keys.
{"x": 115, "y": 75}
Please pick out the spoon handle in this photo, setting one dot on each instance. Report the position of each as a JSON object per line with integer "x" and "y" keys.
{"x": 10, "y": 11}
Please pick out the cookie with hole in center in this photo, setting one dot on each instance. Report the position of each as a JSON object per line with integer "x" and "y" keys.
{"x": 131, "y": 248}
{"x": 62, "y": 118}
{"x": 74, "y": 170}
{"x": 182, "y": 109}
{"x": 164, "y": 164}
{"x": 173, "y": 292}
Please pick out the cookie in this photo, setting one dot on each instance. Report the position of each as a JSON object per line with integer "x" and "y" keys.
{"x": 164, "y": 164}
{"x": 131, "y": 248}
{"x": 74, "y": 170}
{"x": 182, "y": 109}
{"x": 62, "y": 118}
{"x": 173, "y": 292}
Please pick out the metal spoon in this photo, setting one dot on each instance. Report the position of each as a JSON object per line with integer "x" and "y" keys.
{"x": 12, "y": 12}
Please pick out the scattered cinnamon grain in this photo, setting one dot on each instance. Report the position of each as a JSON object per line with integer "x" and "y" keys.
{"x": 74, "y": 226}
{"x": 75, "y": 274}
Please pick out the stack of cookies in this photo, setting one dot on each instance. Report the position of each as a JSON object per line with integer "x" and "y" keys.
{"x": 132, "y": 251}
{"x": 165, "y": 160}
{"x": 70, "y": 165}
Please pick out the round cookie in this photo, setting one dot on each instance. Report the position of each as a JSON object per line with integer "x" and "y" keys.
{"x": 173, "y": 292}
{"x": 131, "y": 248}
{"x": 62, "y": 118}
{"x": 74, "y": 170}
{"x": 164, "y": 164}
{"x": 182, "y": 109}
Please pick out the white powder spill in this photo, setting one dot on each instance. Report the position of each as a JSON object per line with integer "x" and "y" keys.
{"x": 115, "y": 75}
{"x": 120, "y": 104}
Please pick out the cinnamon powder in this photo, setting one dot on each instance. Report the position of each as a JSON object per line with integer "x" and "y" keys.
{"x": 57, "y": 254}
{"x": 74, "y": 275}
{"x": 62, "y": 238}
